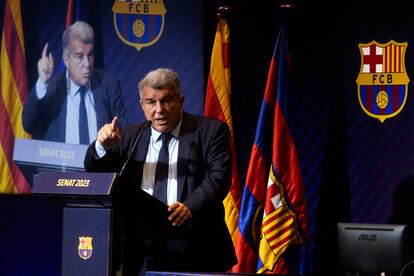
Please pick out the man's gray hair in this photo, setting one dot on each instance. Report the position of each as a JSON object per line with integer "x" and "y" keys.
{"x": 160, "y": 78}
{"x": 78, "y": 30}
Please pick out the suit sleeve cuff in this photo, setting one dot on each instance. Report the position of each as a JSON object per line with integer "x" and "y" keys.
{"x": 41, "y": 88}
{"x": 100, "y": 150}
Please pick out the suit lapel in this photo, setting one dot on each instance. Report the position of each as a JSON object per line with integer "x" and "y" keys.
{"x": 140, "y": 155}
{"x": 98, "y": 99}
{"x": 62, "y": 91}
{"x": 186, "y": 136}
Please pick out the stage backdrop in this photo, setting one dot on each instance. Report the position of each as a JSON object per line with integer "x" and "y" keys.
{"x": 354, "y": 134}
{"x": 352, "y": 105}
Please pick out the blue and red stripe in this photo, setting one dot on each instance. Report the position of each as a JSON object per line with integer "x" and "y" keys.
{"x": 274, "y": 147}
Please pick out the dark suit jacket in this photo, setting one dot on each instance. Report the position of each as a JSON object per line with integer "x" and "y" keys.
{"x": 45, "y": 119}
{"x": 204, "y": 179}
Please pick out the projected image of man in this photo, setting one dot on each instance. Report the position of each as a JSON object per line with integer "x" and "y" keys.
{"x": 71, "y": 106}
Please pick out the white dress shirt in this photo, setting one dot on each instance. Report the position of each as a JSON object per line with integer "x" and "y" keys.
{"x": 72, "y": 110}
{"x": 148, "y": 173}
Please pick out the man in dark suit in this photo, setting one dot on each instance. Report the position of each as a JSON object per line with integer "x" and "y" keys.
{"x": 199, "y": 178}
{"x": 52, "y": 110}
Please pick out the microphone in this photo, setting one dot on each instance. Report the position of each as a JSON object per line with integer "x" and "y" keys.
{"x": 146, "y": 124}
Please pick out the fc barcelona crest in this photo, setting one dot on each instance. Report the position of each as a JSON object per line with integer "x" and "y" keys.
{"x": 85, "y": 247}
{"x": 139, "y": 23}
{"x": 382, "y": 80}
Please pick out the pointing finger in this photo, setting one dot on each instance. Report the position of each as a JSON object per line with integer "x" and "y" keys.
{"x": 51, "y": 59}
{"x": 44, "y": 52}
{"x": 114, "y": 123}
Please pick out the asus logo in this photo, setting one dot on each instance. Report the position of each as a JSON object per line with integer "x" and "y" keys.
{"x": 367, "y": 237}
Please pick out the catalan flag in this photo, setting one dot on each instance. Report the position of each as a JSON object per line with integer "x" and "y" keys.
{"x": 14, "y": 90}
{"x": 273, "y": 219}
{"x": 217, "y": 105}
{"x": 69, "y": 13}
{"x": 72, "y": 7}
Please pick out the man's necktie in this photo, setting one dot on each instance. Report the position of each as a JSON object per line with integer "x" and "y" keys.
{"x": 161, "y": 172}
{"x": 83, "y": 119}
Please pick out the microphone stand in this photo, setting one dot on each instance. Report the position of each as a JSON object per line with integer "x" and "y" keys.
{"x": 147, "y": 123}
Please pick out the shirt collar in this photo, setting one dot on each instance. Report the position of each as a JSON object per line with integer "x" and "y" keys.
{"x": 73, "y": 88}
{"x": 156, "y": 134}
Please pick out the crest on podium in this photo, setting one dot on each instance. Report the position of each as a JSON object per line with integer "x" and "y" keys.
{"x": 85, "y": 247}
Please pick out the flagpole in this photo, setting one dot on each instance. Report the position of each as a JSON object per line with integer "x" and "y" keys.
{"x": 287, "y": 6}
{"x": 286, "y": 9}
{"x": 224, "y": 11}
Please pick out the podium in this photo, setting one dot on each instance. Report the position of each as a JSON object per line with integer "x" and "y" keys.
{"x": 87, "y": 227}
{"x": 89, "y": 216}
{"x": 55, "y": 171}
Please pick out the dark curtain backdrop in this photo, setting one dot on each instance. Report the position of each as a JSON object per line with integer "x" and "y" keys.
{"x": 355, "y": 168}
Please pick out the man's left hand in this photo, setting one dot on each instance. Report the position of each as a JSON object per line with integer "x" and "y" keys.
{"x": 179, "y": 214}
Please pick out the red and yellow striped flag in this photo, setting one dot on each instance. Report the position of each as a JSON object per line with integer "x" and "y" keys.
{"x": 14, "y": 90}
{"x": 69, "y": 14}
{"x": 217, "y": 105}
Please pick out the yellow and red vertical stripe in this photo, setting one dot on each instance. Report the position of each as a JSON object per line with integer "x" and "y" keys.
{"x": 14, "y": 90}
{"x": 69, "y": 14}
{"x": 393, "y": 58}
{"x": 217, "y": 105}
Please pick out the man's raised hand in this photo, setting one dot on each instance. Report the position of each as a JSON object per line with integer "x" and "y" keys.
{"x": 109, "y": 133}
{"x": 45, "y": 65}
